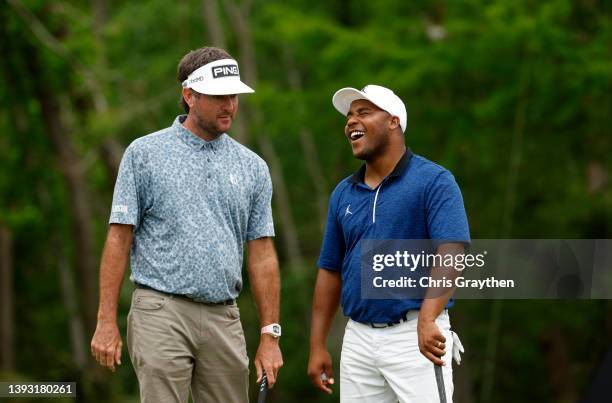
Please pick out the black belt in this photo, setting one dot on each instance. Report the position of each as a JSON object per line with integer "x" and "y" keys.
{"x": 404, "y": 318}
{"x": 146, "y": 287}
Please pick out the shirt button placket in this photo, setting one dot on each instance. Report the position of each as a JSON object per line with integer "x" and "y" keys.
{"x": 209, "y": 164}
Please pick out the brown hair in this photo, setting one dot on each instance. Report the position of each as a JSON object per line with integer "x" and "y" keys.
{"x": 196, "y": 59}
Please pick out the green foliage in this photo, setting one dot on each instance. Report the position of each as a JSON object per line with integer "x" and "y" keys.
{"x": 485, "y": 83}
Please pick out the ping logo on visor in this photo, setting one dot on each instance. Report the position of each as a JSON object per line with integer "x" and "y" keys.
{"x": 220, "y": 77}
{"x": 225, "y": 71}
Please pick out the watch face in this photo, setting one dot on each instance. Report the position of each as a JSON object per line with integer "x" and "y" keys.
{"x": 276, "y": 329}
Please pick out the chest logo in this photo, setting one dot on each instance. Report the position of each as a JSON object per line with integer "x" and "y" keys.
{"x": 348, "y": 211}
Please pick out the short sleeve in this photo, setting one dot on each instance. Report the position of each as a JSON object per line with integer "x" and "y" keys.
{"x": 126, "y": 208}
{"x": 446, "y": 217}
{"x": 261, "y": 223}
{"x": 333, "y": 248}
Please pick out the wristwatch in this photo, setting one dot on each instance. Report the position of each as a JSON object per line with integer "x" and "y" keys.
{"x": 273, "y": 329}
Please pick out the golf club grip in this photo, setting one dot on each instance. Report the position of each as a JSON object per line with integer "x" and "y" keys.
{"x": 263, "y": 388}
{"x": 440, "y": 383}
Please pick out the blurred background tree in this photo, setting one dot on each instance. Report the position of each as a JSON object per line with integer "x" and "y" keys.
{"x": 513, "y": 96}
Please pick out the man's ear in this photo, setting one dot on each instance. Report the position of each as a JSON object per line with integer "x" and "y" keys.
{"x": 394, "y": 123}
{"x": 189, "y": 97}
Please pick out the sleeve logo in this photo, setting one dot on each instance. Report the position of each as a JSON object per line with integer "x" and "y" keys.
{"x": 120, "y": 208}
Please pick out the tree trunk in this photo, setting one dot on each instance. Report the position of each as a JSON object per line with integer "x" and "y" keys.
{"x": 7, "y": 322}
{"x": 555, "y": 347}
{"x": 216, "y": 38}
{"x": 313, "y": 164}
{"x": 283, "y": 204}
{"x": 90, "y": 79}
{"x": 210, "y": 11}
{"x": 238, "y": 16}
{"x": 69, "y": 297}
{"x": 462, "y": 374}
{"x": 249, "y": 73}
{"x": 111, "y": 153}
{"x": 111, "y": 150}
{"x": 69, "y": 161}
{"x": 7, "y": 302}
{"x": 493, "y": 336}
{"x": 82, "y": 229}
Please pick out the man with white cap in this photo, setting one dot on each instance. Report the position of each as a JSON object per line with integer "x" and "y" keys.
{"x": 390, "y": 346}
{"x": 186, "y": 201}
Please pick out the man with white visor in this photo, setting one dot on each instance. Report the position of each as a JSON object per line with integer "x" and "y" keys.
{"x": 187, "y": 200}
{"x": 393, "y": 349}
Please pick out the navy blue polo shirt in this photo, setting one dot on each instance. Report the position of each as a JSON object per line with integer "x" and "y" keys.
{"x": 417, "y": 200}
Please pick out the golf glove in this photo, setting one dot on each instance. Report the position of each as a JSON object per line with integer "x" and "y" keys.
{"x": 457, "y": 348}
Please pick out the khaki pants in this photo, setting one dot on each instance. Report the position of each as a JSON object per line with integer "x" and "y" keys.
{"x": 177, "y": 345}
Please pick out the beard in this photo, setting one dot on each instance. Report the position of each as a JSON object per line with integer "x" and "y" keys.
{"x": 209, "y": 127}
{"x": 374, "y": 151}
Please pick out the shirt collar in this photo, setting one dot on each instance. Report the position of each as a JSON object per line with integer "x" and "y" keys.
{"x": 400, "y": 167}
{"x": 191, "y": 139}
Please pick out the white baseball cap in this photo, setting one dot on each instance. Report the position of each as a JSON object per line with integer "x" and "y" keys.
{"x": 220, "y": 77}
{"x": 382, "y": 97}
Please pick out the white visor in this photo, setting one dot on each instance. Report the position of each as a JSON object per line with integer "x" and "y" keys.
{"x": 220, "y": 77}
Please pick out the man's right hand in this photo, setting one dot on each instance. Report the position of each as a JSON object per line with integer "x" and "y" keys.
{"x": 320, "y": 370}
{"x": 106, "y": 345}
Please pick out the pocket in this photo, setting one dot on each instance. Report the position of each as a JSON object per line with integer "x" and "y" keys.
{"x": 233, "y": 312}
{"x": 148, "y": 302}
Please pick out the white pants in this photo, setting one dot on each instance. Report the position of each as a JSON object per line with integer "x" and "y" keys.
{"x": 385, "y": 365}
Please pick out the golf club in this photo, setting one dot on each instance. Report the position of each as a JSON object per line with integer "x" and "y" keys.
{"x": 263, "y": 388}
{"x": 440, "y": 382}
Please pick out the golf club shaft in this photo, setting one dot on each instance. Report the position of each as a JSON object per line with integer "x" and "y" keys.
{"x": 263, "y": 388}
{"x": 440, "y": 383}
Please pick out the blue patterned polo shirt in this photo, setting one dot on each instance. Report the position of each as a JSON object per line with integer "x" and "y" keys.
{"x": 193, "y": 204}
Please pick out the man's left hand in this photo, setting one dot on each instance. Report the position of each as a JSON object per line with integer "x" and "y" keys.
{"x": 268, "y": 358}
{"x": 431, "y": 341}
